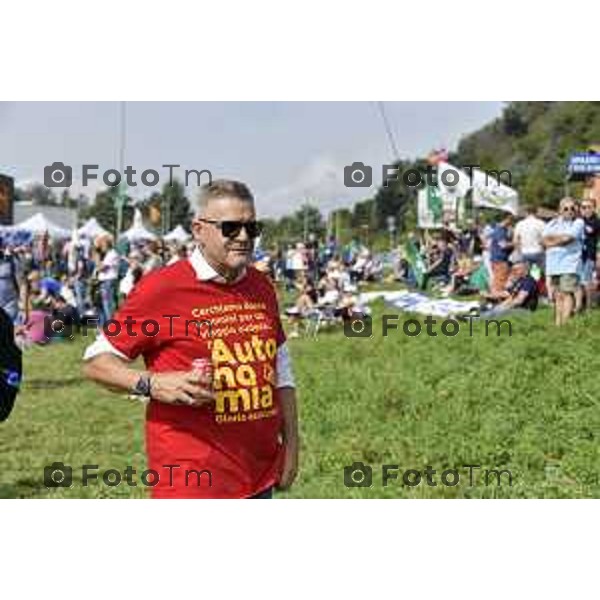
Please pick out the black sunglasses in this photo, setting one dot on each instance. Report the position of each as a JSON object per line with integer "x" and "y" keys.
{"x": 568, "y": 209}
{"x": 231, "y": 229}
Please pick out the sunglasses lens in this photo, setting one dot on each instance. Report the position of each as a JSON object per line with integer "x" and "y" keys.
{"x": 231, "y": 229}
{"x": 253, "y": 228}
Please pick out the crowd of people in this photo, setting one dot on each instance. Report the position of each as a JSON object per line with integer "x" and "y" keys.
{"x": 512, "y": 264}
{"x": 82, "y": 280}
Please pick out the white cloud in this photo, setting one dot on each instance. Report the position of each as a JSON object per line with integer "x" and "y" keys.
{"x": 321, "y": 182}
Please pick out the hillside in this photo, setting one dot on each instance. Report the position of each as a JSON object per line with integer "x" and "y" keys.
{"x": 530, "y": 139}
{"x": 533, "y": 141}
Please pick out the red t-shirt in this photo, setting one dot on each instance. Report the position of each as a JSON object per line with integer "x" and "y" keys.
{"x": 235, "y": 440}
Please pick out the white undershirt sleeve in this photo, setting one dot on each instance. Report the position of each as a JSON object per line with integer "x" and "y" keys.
{"x": 285, "y": 377}
{"x": 102, "y": 346}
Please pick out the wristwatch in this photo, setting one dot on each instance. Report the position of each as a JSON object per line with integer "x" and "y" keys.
{"x": 142, "y": 387}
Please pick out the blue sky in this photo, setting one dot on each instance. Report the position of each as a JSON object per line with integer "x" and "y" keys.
{"x": 285, "y": 151}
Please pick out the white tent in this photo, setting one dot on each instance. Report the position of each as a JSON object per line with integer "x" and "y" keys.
{"x": 39, "y": 224}
{"x": 91, "y": 229}
{"x": 179, "y": 234}
{"x": 137, "y": 232}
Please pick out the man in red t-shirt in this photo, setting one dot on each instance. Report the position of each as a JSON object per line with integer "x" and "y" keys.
{"x": 230, "y": 431}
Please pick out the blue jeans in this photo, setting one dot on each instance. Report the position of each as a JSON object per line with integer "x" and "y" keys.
{"x": 80, "y": 288}
{"x": 107, "y": 297}
{"x": 12, "y": 310}
{"x": 534, "y": 259}
{"x": 264, "y": 495}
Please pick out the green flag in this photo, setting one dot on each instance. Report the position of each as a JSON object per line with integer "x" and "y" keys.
{"x": 434, "y": 202}
{"x": 415, "y": 260}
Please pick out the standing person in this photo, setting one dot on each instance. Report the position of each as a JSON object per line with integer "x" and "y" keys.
{"x": 563, "y": 240}
{"x": 289, "y": 268}
{"x": 591, "y": 230}
{"x": 528, "y": 238}
{"x": 108, "y": 276}
{"x": 500, "y": 249}
{"x": 153, "y": 257}
{"x": 9, "y": 285}
{"x": 239, "y": 425}
{"x": 80, "y": 280}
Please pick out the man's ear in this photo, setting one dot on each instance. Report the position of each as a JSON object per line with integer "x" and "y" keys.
{"x": 196, "y": 227}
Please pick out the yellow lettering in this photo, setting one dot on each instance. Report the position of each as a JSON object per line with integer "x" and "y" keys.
{"x": 271, "y": 348}
{"x": 221, "y": 353}
{"x": 246, "y": 375}
{"x": 266, "y": 398}
{"x": 255, "y": 399}
{"x": 257, "y": 345}
{"x": 233, "y": 398}
{"x": 248, "y": 357}
{"x": 224, "y": 373}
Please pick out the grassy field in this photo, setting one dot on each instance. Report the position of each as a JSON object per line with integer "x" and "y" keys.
{"x": 526, "y": 403}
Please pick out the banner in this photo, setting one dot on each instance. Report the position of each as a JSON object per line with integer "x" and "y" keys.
{"x": 433, "y": 211}
{"x": 584, "y": 164}
{"x": 7, "y": 193}
{"x": 453, "y": 184}
{"x": 489, "y": 193}
{"x": 429, "y": 208}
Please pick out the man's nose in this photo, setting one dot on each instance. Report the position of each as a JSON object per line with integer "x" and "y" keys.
{"x": 242, "y": 236}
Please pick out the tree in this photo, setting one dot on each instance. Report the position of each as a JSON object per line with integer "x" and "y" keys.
{"x": 177, "y": 206}
{"x": 104, "y": 210}
{"x": 39, "y": 195}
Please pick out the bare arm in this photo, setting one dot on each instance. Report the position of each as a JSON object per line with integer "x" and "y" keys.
{"x": 287, "y": 398}
{"x": 516, "y": 301}
{"x": 112, "y": 372}
{"x": 550, "y": 241}
{"x": 177, "y": 387}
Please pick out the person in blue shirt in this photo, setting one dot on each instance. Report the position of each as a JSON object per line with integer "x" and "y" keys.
{"x": 500, "y": 248}
{"x": 563, "y": 241}
{"x": 521, "y": 294}
{"x": 587, "y": 279}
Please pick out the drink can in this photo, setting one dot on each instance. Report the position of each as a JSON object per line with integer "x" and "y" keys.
{"x": 204, "y": 367}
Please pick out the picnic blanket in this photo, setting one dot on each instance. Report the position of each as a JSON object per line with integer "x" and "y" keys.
{"x": 417, "y": 302}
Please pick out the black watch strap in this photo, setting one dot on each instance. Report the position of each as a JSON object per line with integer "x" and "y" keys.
{"x": 142, "y": 387}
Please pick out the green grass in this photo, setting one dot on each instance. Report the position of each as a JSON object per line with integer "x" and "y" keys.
{"x": 527, "y": 403}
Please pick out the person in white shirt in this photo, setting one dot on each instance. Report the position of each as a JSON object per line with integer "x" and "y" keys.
{"x": 528, "y": 238}
{"x": 108, "y": 276}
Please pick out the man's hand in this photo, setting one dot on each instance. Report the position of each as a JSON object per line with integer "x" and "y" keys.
{"x": 182, "y": 387}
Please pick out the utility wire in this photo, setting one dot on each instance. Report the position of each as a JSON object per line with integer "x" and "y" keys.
{"x": 388, "y": 130}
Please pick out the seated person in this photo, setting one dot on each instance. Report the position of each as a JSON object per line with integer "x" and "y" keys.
{"x": 305, "y": 302}
{"x": 328, "y": 290}
{"x": 440, "y": 261}
{"x": 521, "y": 291}
{"x": 348, "y": 308}
{"x": 65, "y": 312}
{"x": 460, "y": 275}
